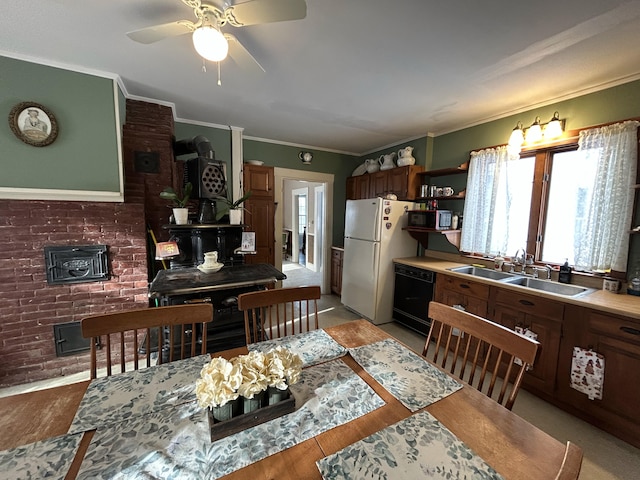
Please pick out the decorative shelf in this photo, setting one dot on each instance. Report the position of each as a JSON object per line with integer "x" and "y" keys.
{"x": 446, "y": 171}
{"x": 449, "y": 197}
{"x": 422, "y": 235}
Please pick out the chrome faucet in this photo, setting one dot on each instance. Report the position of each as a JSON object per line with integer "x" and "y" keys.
{"x": 546, "y": 268}
{"x": 521, "y": 260}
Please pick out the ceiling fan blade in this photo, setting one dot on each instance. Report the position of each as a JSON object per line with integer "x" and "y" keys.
{"x": 265, "y": 11}
{"x": 241, "y": 55}
{"x": 160, "y": 32}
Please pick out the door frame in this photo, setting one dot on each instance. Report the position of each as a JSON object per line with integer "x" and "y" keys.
{"x": 282, "y": 174}
{"x": 295, "y": 224}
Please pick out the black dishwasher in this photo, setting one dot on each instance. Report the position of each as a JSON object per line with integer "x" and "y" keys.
{"x": 413, "y": 290}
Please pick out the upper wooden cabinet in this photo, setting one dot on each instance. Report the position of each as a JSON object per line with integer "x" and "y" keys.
{"x": 401, "y": 181}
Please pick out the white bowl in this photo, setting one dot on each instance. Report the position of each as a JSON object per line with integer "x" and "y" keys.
{"x": 254, "y": 162}
{"x": 210, "y": 268}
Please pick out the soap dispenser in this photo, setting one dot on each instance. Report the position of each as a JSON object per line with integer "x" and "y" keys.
{"x": 565, "y": 273}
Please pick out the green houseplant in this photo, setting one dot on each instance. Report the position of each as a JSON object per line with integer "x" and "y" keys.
{"x": 225, "y": 206}
{"x": 180, "y": 211}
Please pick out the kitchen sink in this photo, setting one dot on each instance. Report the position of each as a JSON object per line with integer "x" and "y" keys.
{"x": 482, "y": 272}
{"x": 548, "y": 286}
{"x": 523, "y": 281}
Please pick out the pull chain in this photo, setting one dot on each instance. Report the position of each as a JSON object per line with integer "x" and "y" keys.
{"x": 204, "y": 66}
{"x": 219, "y": 82}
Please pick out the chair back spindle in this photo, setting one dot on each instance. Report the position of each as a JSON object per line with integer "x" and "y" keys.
{"x": 120, "y": 333}
{"x": 279, "y": 312}
{"x": 478, "y": 351}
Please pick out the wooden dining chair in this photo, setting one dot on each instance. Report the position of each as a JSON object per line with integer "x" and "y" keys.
{"x": 279, "y": 312}
{"x": 472, "y": 347}
{"x": 181, "y": 331}
{"x": 571, "y": 463}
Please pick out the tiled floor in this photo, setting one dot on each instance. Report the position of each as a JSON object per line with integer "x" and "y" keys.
{"x": 606, "y": 457}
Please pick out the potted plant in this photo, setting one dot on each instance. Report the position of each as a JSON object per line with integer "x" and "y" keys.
{"x": 232, "y": 208}
{"x": 180, "y": 211}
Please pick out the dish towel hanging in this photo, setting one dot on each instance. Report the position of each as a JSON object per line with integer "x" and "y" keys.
{"x": 529, "y": 334}
{"x": 587, "y": 372}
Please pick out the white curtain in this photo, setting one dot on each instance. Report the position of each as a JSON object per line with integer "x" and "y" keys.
{"x": 486, "y": 170}
{"x": 603, "y": 242}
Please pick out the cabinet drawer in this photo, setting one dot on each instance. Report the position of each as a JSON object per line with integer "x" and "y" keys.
{"x": 472, "y": 289}
{"x": 616, "y": 327}
{"x": 336, "y": 254}
{"x": 540, "y": 307}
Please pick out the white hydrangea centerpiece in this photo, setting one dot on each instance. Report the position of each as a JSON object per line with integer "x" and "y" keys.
{"x": 222, "y": 380}
{"x": 219, "y": 382}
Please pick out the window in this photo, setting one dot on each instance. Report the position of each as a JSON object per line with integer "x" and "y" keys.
{"x": 570, "y": 202}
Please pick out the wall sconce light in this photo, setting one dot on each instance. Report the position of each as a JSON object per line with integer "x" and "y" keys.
{"x": 306, "y": 157}
{"x": 535, "y": 133}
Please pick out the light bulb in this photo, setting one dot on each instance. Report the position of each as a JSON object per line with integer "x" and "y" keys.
{"x": 534, "y": 132}
{"x": 210, "y": 43}
{"x": 517, "y": 138}
{"x": 554, "y": 127}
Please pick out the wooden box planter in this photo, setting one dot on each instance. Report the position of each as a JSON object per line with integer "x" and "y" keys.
{"x": 247, "y": 420}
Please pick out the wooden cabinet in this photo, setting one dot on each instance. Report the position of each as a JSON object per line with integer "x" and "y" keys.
{"x": 618, "y": 340}
{"x": 378, "y": 184}
{"x": 358, "y": 187}
{"x": 541, "y": 316}
{"x": 401, "y": 181}
{"x": 259, "y": 215}
{"x": 336, "y": 270}
{"x": 404, "y": 182}
{"x": 472, "y": 296}
{"x": 561, "y": 327}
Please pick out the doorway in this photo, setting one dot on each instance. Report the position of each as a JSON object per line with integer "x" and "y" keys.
{"x": 317, "y": 190}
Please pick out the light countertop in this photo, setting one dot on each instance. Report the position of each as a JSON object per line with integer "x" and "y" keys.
{"x": 618, "y": 304}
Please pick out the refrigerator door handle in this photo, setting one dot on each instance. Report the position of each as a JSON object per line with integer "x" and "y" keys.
{"x": 376, "y": 260}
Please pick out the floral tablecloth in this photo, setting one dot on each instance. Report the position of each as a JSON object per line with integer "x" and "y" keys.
{"x": 50, "y": 458}
{"x": 406, "y": 375}
{"x": 175, "y": 442}
{"x": 109, "y": 400}
{"x": 416, "y": 447}
{"x": 314, "y": 347}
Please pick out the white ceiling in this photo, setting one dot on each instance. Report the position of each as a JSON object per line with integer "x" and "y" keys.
{"x": 354, "y": 75}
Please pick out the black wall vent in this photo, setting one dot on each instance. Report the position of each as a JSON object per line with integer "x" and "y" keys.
{"x": 76, "y": 263}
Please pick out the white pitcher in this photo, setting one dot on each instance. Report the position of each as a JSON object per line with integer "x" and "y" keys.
{"x": 405, "y": 158}
{"x": 373, "y": 165}
{"x": 387, "y": 161}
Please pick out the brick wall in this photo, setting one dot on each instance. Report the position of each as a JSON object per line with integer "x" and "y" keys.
{"x": 29, "y": 307}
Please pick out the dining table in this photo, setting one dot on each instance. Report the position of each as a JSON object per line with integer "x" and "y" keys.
{"x": 504, "y": 444}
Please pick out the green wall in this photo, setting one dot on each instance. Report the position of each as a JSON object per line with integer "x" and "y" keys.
{"x": 85, "y": 154}
{"x": 286, "y": 156}
{"x": 617, "y": 103}
{"x": 613, "y": 104}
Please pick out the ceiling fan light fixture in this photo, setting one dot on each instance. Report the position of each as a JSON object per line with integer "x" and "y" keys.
{"x": 210, "y": 43}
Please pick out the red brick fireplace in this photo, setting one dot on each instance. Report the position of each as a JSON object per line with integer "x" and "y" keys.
{"x": 29, "y": 306}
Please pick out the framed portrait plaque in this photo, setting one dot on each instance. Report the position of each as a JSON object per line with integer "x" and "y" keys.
{"x": 33, "y": 123}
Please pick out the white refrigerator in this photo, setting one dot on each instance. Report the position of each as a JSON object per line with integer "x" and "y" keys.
{"x": 373, "y": 237}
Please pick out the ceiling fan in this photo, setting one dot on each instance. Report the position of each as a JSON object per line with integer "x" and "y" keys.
{"x": 209, "y": 41}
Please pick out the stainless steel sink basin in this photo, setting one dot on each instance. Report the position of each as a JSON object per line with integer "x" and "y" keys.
{"x": 548, "y": 286}
{"x": 482, "y": 272}
{"x": 523, "y": 281}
